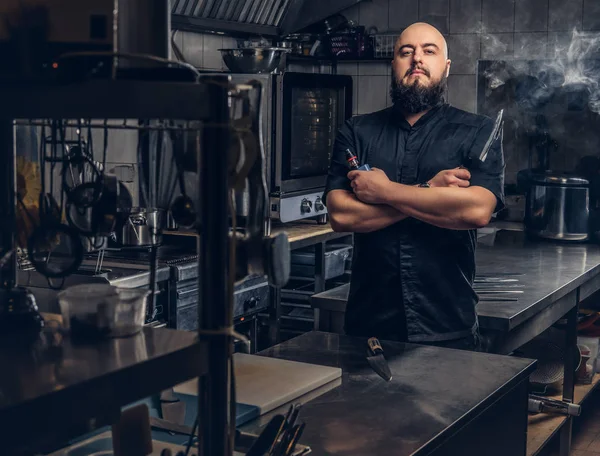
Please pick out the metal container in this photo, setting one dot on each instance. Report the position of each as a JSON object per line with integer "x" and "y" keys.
{"x": 143, "y": 227}
{"x": 557, "y": 206}
{"x": 252, "y": 60}
{"x": 303, "y": 261}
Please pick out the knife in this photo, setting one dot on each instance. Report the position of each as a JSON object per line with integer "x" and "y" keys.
{"x": 493, "y": 136}
{"x": 496, "y": 132}
{"x": 377, "y": 360}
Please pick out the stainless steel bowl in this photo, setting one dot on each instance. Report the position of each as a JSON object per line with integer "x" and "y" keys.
{"x": 253, "y": 60}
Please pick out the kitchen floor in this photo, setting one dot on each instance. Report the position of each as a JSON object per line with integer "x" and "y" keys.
{"x": 586, "y": 431}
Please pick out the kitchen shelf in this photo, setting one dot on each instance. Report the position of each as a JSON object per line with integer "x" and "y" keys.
{"x": 542, "y": 427}
{"x": 60, "y": 392}
{"x": 294, "y": 58}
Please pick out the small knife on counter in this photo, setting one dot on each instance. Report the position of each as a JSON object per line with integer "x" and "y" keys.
{"x": 377, "y": 360}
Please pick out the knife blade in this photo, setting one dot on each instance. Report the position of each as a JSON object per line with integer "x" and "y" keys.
{"x": 377, "y": 360}
{"x": 493, "y": 136}
{"x": 496, "y": 132}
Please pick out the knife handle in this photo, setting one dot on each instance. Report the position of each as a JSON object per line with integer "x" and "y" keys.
{"x": 375, "y": 346}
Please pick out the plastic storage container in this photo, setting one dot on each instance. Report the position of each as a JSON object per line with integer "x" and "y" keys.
{"x": 99, "y": 310}
{"x": 303, "y": 261}
{"x": 130, "y": 311}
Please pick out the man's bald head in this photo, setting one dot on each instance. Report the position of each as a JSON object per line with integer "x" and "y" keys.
{"x": 422, "y": 30}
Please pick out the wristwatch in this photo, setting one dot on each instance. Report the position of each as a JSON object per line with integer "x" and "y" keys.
{"x": 425, "y": 185}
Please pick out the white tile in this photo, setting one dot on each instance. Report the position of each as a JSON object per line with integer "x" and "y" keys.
{"x": 591, "y": 15}
{"x": 178, "y": 40}
{"x": 352, "y": 13}
{"x": 374, "y": 68}
{"x": 374, "y": 13}
{"x": 402, "y": 14}
{"x": 212, "y": 59}
{"x": 531, "y": 44}
{"x": 325, "y": 69}
{"x": 497, "y": 46}
{"x": 462, "y": 92}
{"x": 464, "y": 50}
{"x": 193, "y": 48}
{"x": 465, "y": 16}
{"x": 436, "y": 13}
{"x": 531, "y": 16}
{"x": 498, "y": 16}
{"x": 347, "y": 68}
{"x": 565, "y": 15}
{"x": 372, "y": 93}
{"x": 558, "y": 44}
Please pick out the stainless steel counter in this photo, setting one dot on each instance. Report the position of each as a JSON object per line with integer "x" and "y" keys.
{"x": 437, "y": 397}
{"x": 50, "y": 393}
{"x": 549, "y": 273}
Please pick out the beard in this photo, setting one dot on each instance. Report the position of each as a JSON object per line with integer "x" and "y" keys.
{"x": 416, "y": 97}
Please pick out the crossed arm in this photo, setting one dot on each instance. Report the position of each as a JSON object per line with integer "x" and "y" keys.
{"x": 377, "y": 202}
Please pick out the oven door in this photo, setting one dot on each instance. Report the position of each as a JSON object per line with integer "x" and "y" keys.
{"x": 310, "y": 110}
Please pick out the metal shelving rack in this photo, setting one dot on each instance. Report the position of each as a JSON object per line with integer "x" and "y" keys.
{"x": 25, "y": 390}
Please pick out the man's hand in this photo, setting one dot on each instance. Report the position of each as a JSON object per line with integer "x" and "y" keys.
{"x": 457, "y": 177}
{"x": 370, "y": 186}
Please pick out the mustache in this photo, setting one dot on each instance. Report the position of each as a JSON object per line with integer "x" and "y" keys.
{"x": 414, "y": 68}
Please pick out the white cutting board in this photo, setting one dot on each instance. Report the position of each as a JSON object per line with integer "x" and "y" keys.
{"x": 268, "y": 383}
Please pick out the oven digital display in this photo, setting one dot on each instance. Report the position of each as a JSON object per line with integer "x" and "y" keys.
{"x": 315, "y": 117}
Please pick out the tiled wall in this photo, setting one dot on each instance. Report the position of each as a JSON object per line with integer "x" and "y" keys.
{"x": 474, "y": 29}
{"x": 202, "y": 49}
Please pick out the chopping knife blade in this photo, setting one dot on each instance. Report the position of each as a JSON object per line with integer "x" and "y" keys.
{"x": 493, "y": 136}
{"x": 494, "y": 280}
{"x": 377, "y": 360}
{"x": 487, "y": 291}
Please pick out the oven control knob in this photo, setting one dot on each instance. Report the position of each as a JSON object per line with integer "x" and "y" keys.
{"x": 305, "y": 206}
{"x": 319, "y": 206}
{"x": 251, "y": 303}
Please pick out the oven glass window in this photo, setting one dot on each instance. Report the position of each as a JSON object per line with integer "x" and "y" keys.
{"x": 315, "y": 117}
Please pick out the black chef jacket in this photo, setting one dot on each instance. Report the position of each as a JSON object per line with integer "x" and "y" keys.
{"x": 413, "y": 280}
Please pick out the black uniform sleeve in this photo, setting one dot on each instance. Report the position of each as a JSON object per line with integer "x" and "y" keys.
{"x": 488, "y": 174}
{"x": 338, "y": 167}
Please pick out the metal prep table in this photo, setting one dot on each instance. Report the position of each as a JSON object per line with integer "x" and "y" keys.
{"x": 439, "y": 401}
{"x": 555, "y": 278}
{"x": 302, "y": 234}
{"x": 73, "y": 389}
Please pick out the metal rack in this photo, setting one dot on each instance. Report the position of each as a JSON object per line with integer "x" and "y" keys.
{"x": 207, "y": 102}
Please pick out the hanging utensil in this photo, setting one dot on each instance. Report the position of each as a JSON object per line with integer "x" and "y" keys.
{"x": 182, "y": 208}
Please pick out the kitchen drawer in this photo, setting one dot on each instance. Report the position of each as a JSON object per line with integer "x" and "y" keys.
{"x": 187, "y": 297}
{"x": 303, "y": 261}
{"x": 187, "y": 318}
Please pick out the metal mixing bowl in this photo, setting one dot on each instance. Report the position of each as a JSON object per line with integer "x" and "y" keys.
{"x": 252, "y": 60}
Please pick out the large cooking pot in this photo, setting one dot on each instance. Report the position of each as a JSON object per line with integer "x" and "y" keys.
{"x": 557, "y": 206}
{"x": 142, "y": 227}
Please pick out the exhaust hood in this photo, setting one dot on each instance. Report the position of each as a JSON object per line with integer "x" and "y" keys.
{"x": 253, "y": 17}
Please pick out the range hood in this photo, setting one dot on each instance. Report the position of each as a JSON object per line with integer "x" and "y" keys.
{"x": 253, "y": 17}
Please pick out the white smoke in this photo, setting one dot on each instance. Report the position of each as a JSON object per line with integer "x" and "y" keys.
{"x": 570, "y": 68}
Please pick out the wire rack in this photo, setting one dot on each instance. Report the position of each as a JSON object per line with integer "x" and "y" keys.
{"x": 384, "y": 44}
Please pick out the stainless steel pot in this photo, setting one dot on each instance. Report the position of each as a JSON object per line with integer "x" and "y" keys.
{"x": 557, "y": 206}
{"x": 143, "y": 227}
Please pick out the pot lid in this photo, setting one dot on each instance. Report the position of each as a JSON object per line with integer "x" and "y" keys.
{"x": 558, "y": 178}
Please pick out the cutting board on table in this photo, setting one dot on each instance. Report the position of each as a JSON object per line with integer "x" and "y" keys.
{"x": 266, "y": 383}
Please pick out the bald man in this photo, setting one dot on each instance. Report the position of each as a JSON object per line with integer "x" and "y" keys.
{"x": 415, "y": 214}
